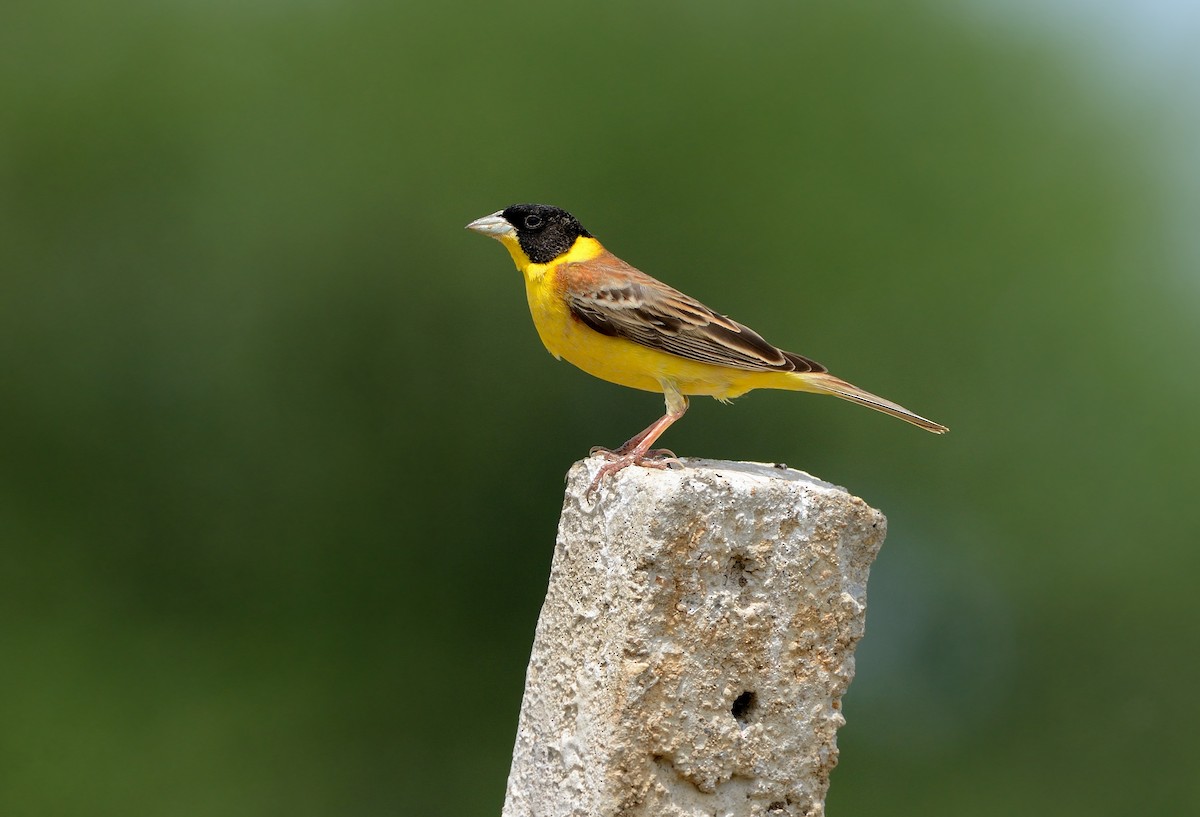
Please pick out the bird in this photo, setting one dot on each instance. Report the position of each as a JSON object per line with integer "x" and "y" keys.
{"x": 617, "y": 323}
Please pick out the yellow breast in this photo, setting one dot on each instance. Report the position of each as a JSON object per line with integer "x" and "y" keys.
{"x": 564, "y": 336}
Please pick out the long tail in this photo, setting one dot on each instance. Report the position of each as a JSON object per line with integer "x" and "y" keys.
{"x": 824, "y": 383}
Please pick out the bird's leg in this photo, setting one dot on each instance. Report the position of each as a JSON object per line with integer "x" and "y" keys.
{"x": 637, "y": 450}
{"x": 626, "y": 447}
{"x": 640, "y": 444}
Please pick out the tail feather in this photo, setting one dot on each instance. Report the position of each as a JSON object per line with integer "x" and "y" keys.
{"x": 824, "y": 383}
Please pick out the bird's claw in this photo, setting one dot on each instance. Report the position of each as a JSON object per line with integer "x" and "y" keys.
{"x": 653, "y": 453}
{"x": 657, "y": 458}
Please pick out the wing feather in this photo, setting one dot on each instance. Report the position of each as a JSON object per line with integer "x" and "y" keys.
{"x": 618, "y": 300}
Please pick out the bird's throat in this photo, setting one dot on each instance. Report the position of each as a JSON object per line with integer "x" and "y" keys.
{"x": 584, "y": 249}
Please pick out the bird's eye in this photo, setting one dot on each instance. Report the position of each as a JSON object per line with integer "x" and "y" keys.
{"x": 532, "y": 222}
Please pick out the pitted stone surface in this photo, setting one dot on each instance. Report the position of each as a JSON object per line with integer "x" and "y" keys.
{"x": 696, "y": 639}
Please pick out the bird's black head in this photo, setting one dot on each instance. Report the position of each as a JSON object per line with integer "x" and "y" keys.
{"x": 544, "y": 232}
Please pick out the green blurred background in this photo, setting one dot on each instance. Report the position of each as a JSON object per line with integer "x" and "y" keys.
{"x": 281, "y": 457}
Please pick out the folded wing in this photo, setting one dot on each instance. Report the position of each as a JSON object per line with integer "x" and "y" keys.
{"x": 618, "y": 300}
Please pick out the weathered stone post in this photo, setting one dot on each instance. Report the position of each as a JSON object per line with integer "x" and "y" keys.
{"x": 697, "y": 637}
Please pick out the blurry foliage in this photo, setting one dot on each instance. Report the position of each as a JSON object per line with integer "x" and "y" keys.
{"x": 282, "y": 456}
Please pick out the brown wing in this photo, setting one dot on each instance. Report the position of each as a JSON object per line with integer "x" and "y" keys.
{"x": 616, "y": 299}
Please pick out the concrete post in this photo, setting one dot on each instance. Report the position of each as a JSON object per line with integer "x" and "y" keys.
{"x": 697, "y": 637}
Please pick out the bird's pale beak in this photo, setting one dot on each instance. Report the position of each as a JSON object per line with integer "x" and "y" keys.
{"x": 495, "y": 225}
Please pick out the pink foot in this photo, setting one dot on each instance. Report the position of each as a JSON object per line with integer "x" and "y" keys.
{"x": 658, "y": 458}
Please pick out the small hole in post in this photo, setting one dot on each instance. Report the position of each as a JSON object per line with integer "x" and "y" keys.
{"x": 736, "y": 571}
{"x": 743, "y": 707}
